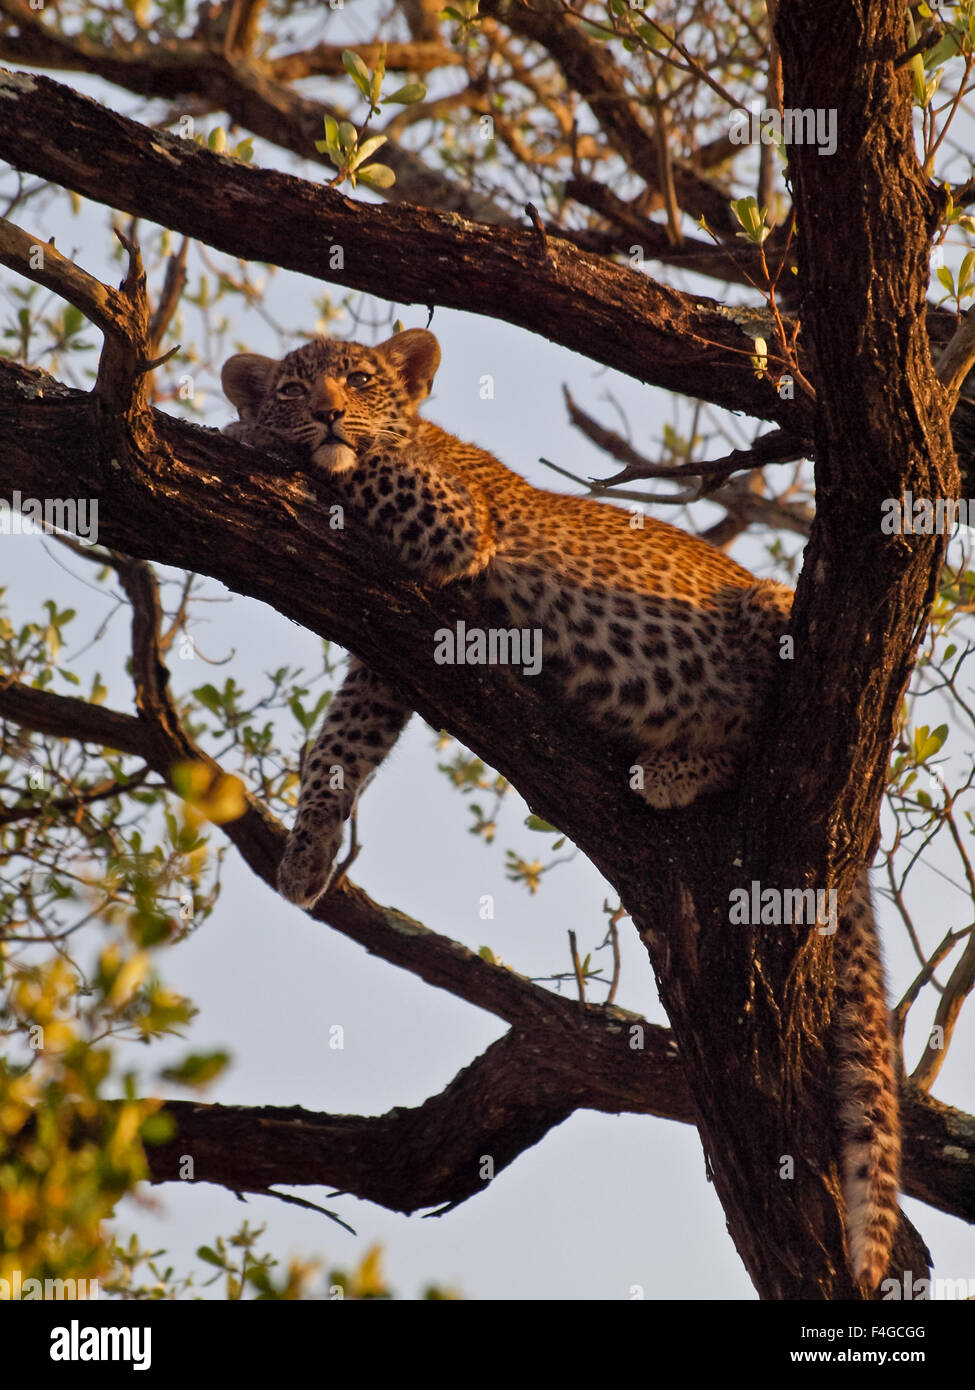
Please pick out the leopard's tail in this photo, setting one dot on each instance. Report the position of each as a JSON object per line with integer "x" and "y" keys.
{"x": 866, "y": 1092}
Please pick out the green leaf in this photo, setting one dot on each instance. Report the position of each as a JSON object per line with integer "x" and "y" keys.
{"x": 536, "y": 823}
{"x": 917, "y": 63}
{"x": 377, "y": 176}
{"x": 946, "y": 48}
{"x": 158, "y": 1129}
{"x": 217, "y": 140}
{"x": 300, "y": 713}
{"x": 357, "y": 70}
{"x": 260, "y": 1278}
{"x": 73, "y": 319}
{"x": 751, "y": 218}
{"x": 150, "y": 928}
{"x": 917, "y": 78}
{"x": 945, "y": 276}
{"x": 927, "y": 742}
{"x": 209, "y": 696}
{"x": 348, "y": 136}
{"x": 651, "y": 35}
{"x": 197, "y": 1068}
{"x": 367, "y": 148}
{"x": 403, "y": 96}
{"x": 212, "y": 1258}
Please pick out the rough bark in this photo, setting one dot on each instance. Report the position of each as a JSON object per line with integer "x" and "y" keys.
{"x": 812, "y": 792}
{"x": 532, "y": 1087}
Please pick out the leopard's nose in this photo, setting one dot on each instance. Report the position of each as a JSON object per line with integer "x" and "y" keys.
{"x": 328, "y": 415}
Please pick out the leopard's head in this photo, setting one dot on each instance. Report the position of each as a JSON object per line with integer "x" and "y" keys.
{"x": 337, "y": 399}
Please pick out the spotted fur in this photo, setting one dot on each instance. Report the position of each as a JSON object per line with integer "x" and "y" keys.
{"x": 656, "y": 637}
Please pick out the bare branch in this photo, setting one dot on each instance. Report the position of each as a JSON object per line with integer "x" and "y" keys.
{"x": 958, "y": 358}
{"x": 776, "y": 447}
{"x": 39, "y": 260}
{"x": 421, "y": 1157}
{"x": 590, "y": 70}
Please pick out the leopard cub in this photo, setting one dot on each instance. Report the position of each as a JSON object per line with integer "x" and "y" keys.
{"x": 656, "y": 638}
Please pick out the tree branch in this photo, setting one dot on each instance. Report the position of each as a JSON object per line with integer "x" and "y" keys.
{"x": 428, "y": 1155}
{"x": 589, "y": 69}
{"x": 614, "y": 315}
{"x": 533, "y": 1083}
{"x": 254, "y": 94}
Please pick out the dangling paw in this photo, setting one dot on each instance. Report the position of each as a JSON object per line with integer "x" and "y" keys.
{"x": 308, "y": 863}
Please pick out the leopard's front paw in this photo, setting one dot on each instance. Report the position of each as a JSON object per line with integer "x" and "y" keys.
{"x": 285, "y": 454}
{"x": 308, "y": 864}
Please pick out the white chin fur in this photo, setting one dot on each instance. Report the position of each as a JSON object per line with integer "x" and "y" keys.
{"x": 334, "y": 456}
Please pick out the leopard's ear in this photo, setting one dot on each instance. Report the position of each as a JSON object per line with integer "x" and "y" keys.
{"x": 245, "y": 379}
{"x": 415, "y": 354}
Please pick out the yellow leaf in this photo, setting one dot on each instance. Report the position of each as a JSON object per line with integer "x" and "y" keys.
{"x": 219, "y": 797}
{"x": 369, "y": 1276}
{"x": 128, "y": 1124}
{"x": 191, "y": 779}
{"x": 58, "y": 1036}
{"x": 128, "y": 979}
{"x": 225, "y": 801}
{"x": 13, "y": 1117}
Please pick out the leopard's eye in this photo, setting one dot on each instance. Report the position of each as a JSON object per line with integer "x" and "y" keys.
{"x": 359, "y": 379}
{"x": 291, "y": 389}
